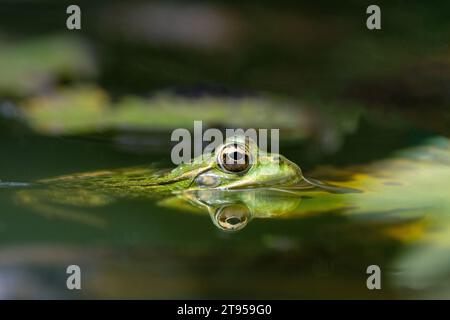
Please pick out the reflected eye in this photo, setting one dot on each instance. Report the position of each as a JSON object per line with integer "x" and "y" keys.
{"x": 234, "y": 158}
{"x": 232, "y": 217}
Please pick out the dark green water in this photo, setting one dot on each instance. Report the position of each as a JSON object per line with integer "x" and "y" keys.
{"x": 318, "y": 53}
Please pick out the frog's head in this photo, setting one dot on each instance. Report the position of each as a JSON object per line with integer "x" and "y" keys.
{"x": 236, "y": 164}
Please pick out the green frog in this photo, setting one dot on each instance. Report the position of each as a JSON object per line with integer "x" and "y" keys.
{"x": 236, "y": 165}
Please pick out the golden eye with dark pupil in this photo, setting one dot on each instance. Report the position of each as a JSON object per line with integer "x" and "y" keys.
{"x": 234, "y": 159}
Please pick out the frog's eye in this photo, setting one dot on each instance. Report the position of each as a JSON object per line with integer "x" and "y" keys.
{"x": 234, "y": 158}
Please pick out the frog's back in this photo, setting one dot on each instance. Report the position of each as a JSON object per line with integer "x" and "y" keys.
{"x": 124, "y": 180}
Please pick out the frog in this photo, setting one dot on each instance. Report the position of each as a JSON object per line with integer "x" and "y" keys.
{"x": 238, "y": 182}
{"x": 235, "y": 166}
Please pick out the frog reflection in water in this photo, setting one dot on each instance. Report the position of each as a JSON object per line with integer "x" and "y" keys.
{"x": 234, "y": 167}
{"x": 409, "y": 185}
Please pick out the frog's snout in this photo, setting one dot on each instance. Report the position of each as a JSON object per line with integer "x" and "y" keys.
{"x": 288, "y": 172}
{"x": 291, "y": 168}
